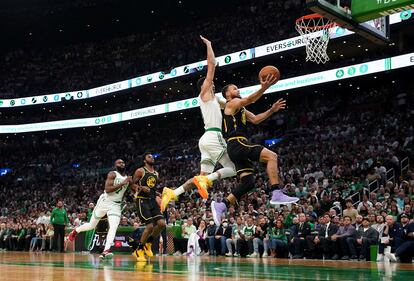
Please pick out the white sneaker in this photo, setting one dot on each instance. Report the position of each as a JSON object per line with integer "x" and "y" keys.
{"x": 380, "y": 257}
{"x": 229, "y": 254}
{"x": 391, "y": 257}
{"x": 265, "y": 255}
{"x": 236, "y": 255}
{"x": 178, "y": 253}
{"x": 254, "y": 255}
{"x": 184, "y": 254}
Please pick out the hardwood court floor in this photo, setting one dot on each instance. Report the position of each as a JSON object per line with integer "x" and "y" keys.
{"x": 16, "y": 266}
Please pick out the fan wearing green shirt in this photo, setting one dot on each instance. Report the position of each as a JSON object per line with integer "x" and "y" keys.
{"x": 59, "y": 220}
{"x": 278, "y": 239}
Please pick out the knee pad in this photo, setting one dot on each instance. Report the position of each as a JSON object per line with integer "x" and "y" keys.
{"x": 247, "y": 184}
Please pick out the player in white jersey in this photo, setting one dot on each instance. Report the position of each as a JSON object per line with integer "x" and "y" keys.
{"x": 109, "y": 203}
{"x": 212, "y": 145}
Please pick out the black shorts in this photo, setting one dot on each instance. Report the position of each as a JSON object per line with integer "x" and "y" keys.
{"x": 102, "y": 226}
{"x": 243, "y": 154}
{"x": 148, "y": 210}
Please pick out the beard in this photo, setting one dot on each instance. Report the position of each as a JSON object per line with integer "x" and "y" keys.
{"x": 120, "y": 170}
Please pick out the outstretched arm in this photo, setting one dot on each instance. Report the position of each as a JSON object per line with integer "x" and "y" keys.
{"x": 256, "y": 119}
{"x": 211, "y": 68}
{"x": 238, "y": 103}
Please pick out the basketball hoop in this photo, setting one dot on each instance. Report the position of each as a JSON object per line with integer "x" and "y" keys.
{"x": 316, "y": 32}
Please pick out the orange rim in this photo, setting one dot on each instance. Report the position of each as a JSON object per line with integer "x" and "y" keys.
{"x": 316, "y": 27}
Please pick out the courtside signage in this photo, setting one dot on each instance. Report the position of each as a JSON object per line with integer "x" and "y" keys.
{"x": 283, "y": 85}
{"x": 236, "y": 57}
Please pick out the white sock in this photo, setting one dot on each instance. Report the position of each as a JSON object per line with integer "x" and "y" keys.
{"x": 226, "y": 172}
{"x": 213, "y": 176}
{"x": 179, "y": 191}
{"x": 88, "y": 226}
{"x": 113, "y": 222}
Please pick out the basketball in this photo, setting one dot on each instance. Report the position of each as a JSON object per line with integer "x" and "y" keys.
{"x": 270, "y": 69}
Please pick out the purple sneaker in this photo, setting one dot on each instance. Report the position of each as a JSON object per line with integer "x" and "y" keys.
{"x": 279, "y": 198}
{"x": 218, "y": 209}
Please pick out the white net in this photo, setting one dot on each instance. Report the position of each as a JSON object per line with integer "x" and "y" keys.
{"x": 316, "y": 32}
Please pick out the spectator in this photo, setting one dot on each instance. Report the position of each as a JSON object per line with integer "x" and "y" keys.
{"x": 235, "y": 236}
{"x": 365, "y": 237}
{"x": 47, "y": 239}
{"x": 246, "y": 237}
{"x": 197, "y": 243}
{"x": 340, "y": 247}
{"x": 180, "y": 244}
{"x": 393, "y": 237}
{"x": 261, "y": 239}
{"x": 321, "y": 244}
{"x": 364, "y": 206}
{"x": 405, "y": 252}
{"x": 59, "y": 220}
{"x": 277, "y": 239}
{"x": 3, "y": 231}
{"x": 217, "y": 243}
{"x": 350, "y": 211}
{"x": 298, "y": 237}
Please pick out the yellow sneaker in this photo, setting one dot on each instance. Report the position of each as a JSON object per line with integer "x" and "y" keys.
{"x": 167, "y": 196}
{"x": 202, "y": 183}
{"x": 140, "y": 255}
{"x": 148, "y": 250}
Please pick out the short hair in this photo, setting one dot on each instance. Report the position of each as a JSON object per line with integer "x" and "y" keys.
{"x": 145, "y": 155}
{"x": 348, "y": 217}
{"x": 224, "y": 90}
{"x": 200, "y": 83}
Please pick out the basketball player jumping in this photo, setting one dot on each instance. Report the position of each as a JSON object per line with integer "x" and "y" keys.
{"x": 243, "y": 153}
{"x": 212, "y": 146}
{"x": 144, "y": 185}
{"x": 109, "y": 204}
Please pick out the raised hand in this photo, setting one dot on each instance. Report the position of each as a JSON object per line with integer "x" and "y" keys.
{"x": 205, "y": 40}
{"x": 268, "y": 81}
{"x": 280, "y": 104}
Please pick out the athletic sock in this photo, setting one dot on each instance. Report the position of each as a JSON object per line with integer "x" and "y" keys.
{"x": 213, "y": 176}
{"x": 140, "y": 246}
{"x": 275, "y": 187}
{"x": 179, "y": 191}
{"x": 226, "y": 172}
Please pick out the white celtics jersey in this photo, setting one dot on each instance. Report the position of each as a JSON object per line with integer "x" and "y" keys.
{"x": 118, "y": 194}
{"x": 211, "y": 113}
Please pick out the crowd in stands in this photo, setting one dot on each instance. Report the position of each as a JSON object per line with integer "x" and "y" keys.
{"x": 83, "y": 65}
{"x": 331, "y": 151}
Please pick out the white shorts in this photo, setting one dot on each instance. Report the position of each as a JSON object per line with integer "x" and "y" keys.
{"x": 213, "y": 149}
{"x": 106, "y": 207}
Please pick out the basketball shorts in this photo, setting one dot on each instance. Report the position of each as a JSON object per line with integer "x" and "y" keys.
{"x": 243, "y": 154}
{"x": 213, "y": 149}
{"x": 148, "y": 210}
{"x": 104, "y": 206}
{"x": 102, "y": 226}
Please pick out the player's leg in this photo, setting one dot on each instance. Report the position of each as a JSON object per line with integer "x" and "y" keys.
{"x": 113, "y": 222}
{"x": 168, "y": 194}
{"x": 239, "y": 154}
{"x": 99, "y": 211}
{"x": 214, "y": 150}
{"x": 158, "y": 224}
{"x": 278, "y": 197}
{"x": 144, "y": 213}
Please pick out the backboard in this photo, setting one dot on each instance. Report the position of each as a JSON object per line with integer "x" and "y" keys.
{"x": 340, "y": 11}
